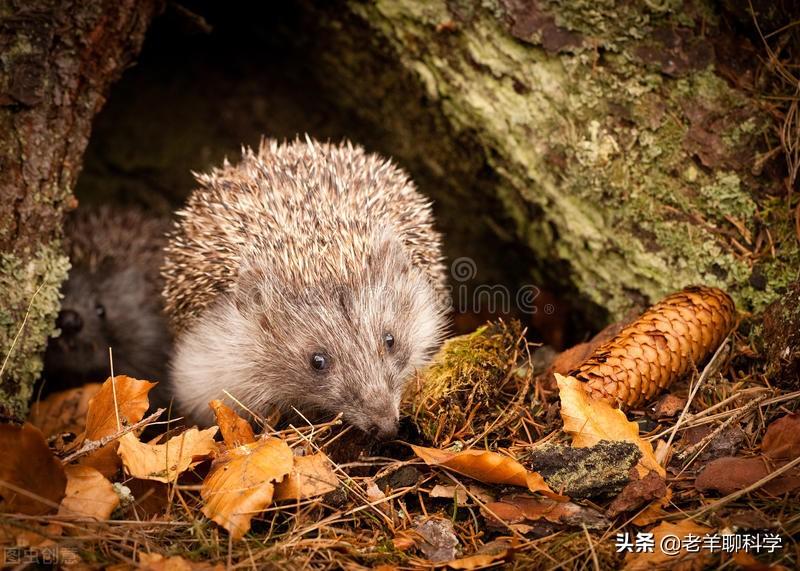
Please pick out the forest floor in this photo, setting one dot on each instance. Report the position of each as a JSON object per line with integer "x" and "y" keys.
{"x": 518, "y": 468}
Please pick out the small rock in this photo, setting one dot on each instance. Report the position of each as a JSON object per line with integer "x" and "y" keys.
{"x": 438, "y": 541}
{"x": 404, "y": 477}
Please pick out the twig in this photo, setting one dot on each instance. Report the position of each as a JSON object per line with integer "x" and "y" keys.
{"x": 591, "y": 547}
{"x": 738, "y": 415}
{"x": 19, "y": 331}
{"x": 711, "y": 366}
{"x": 114, "y": 388}
{"x": 92, "y": 445}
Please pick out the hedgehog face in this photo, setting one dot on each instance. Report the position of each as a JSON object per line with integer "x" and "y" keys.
{"x": 353, "y": 346}
{"x": 107, "y": 308}
{"x": 321, "y": 349}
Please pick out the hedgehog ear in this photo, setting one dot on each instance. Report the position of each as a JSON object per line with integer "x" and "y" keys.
{"x": 388, "y": 251}
{"x": 248, "y": 294}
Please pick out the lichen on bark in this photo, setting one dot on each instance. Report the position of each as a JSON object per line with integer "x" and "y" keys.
{"x": 57, "y": 59}
{"x": 27, "y": 317}
{"x": 610, "y": 123}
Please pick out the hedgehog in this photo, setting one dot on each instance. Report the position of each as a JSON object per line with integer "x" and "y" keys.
{"x": 307, "y": 279}
{"x": 111, "y": 298}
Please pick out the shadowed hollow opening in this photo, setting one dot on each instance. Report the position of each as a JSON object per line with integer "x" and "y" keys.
{"x": 212, "y": 77}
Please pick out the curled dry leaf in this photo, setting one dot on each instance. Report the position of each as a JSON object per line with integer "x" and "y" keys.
{"x": 165, "y": 462}
{"x": 732, "y": 473}
{"x": 516, "y": 509}
{"x": 101, "y": 418}
{"x": 485, "y": 466}
{"x": 234, "y": 429}
{"x": 589, "y": 421}
{"x": 89, "y": 494}
{"x": 637, "y": 492}
{"x": 32, "y": 480}
{"x": 241, "y": 483}
{"x": 678, "y": 560}
{"x": 782, "y": 439}
{"x": 311, "y": 476}
{"x": 64, "y": 411}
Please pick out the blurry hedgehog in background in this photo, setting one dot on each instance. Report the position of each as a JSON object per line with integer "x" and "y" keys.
{"x": 111, "y": 298}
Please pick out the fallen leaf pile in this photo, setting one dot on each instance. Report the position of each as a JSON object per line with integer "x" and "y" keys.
{"x": 246, "y": 475}
{"x": 504, "y": 463}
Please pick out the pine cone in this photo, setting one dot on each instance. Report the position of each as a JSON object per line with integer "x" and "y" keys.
{"x": 659, "y": 347}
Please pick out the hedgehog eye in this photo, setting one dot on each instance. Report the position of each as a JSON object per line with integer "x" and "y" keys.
{"x": 100, "y": 310}
{"x": 388, "y": 340}
{"x": 319, "y": 361}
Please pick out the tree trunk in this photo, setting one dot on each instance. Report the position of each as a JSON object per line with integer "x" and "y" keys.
{"x": 629, "y": 152}
{"x": 57, "y": 61}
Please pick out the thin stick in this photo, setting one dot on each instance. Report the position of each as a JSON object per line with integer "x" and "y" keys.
{"x": 591, "y": 548}
{"x": 698, "y": 448}
{"x": 19, "y": 331}
{"x": 711, "y": 366}
{"x": 92, "y": 445}
{"x": 114, "y": 388}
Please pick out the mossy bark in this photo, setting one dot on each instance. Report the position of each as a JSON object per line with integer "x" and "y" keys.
{"x": 57, "y": 60}
{"x": 623, "y": 160}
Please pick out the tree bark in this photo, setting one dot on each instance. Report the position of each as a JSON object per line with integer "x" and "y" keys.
{"x": 626, "y": 141}
{"x": 57, "y": 61}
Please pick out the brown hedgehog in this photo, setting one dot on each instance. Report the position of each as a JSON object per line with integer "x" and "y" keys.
{"x": 111, "y": 299}
{"x": 308, "y": 277}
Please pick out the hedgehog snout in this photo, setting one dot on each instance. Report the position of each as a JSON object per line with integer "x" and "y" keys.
{"x": 381, "y": 421}
{"x": 383, "y": 428}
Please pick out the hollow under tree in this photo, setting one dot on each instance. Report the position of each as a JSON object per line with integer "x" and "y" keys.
{"x": 57, "y": 60}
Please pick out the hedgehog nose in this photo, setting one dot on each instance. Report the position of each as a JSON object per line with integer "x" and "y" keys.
{"x": 384, "y": 429}
{"x": 69, "y": 321}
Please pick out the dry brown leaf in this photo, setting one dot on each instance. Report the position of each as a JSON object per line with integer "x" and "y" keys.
{"x": 165, "y": 462}
{"x": 782, "y": 439}
{"x": 589, "y": 421}
{"x": 38, "y": 534}
{"x": 732, "y": 473}
{"x": 310, "y": 476}
{"x": 241, "y": 483}
{"x": 63, "y": 411}
{"x": 515, "y": 509}
{"x": 486, "y": 555}
{"x": 157, "y": 562}
{"x": 747, "y": 562}
{"x": 28, "y": 464}
{"x": 89, "y": 494}
{"x": 637, "y": 492}
{"x": 485, "y": 466}
{"x": 682, "y": 560}
{"x": 101, "y": 418}
{"x": 403, "y": 541}
{"x": 654, "y": 511}
{"x": 460, "y": 495}
{"x": 152, "y": 498}
{"x": 235, "y": 430}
